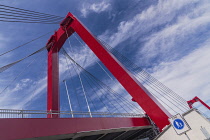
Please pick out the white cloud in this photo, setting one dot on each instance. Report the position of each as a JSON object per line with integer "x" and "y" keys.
{"x": 22, "y": 93}
{"x": 21, "y": 85}
{"x": 95, "y": 7}
{"x": 189, "y": 68}
{"x": 186, "y": 26}
{"x": 180, "y": 74}
{"x": 156, "y": 15}
{"x": 83, "y": 56}
{"x": 3, "y": 48}
{"x": 187, "y": 76}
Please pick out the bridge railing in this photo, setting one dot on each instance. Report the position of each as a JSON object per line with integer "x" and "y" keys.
{"x": 13, "y": 113}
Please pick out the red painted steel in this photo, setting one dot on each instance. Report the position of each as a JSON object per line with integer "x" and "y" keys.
{"x": 54, "y": 44}
{"x": 147, "y": 101}
{"x": 150, "y": 105}
{"x": 196, "y": 99}
{"x": 40, "y": 127}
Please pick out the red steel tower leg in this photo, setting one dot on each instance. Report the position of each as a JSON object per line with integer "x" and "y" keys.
{"x": 53, "y": 82}
{"x": 54, "y": 44}
{"x": 147, "y": 101}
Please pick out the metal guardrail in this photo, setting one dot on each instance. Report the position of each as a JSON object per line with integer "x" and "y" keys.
{"x": 12, "y": 113}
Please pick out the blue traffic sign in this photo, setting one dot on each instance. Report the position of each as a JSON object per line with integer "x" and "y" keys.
{"x": 178, "y": 124}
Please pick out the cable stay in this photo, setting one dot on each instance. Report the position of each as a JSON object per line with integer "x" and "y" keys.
{"x": 80, "y": 79}
{"x": 75, "y": 91}
{"x": 5, "y": 14}
{"x": 103, "y": 92}
{"x": 25, "y": 20}
{"x": 159, "y": 88}
{"x": 19, "y": 74}
{"x": 65, "y": 53}
{"x": 150, "y": 81}
{"x": 21, "y": 18}
{"x": 90, "y": 85}
{"x": 108, "y": 104}
{"x": 3, "y": 68}
{"x": 94, "y": 90}
{"x": 103, "y": 89}
{"x": 149, "y": 77}
{"x": 127, "y": 106}
{"x": 69, "y": 100}
{"x": 84, "y": 94}
{"x": 166, "y": 96}
{"x": 29, "y": 11}
{"x": 37, "y": 83}
{"x": 18, "y": 21}
{"x": 9, "y": 12}
{"x": 83, "y": 45}
{"x": 12, "y": 14}
{"x": 137, "y": 69}
{"x": 25, "y": 43}
{"x": 23, "y": 70}
{"x": 170, "y": 99}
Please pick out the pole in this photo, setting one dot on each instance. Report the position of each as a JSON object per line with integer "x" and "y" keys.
{"x": 187, "y": 136}
{"x": 67, "y": 92}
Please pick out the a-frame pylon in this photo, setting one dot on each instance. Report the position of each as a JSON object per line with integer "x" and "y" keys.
{"x": 70, "y": 25}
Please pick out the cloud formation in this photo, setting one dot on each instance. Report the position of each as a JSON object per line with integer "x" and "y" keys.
{"x": 22, "y": 93}
{"x": 172, "y": 34}
{"x": 174, "y": 38}
{"x": 95, "y": 7}
{"x": 184, "y": 30}
{"x": 164, "y": 14}
{"x": 187, "y": 76}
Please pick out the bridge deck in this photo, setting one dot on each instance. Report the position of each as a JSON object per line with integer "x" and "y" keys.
{"x": 62, "y": 128}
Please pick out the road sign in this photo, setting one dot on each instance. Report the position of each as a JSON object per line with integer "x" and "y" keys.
{"x": 179, "y": 124}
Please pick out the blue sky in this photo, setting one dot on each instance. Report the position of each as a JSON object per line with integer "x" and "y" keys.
{"x": 170, "y": 39}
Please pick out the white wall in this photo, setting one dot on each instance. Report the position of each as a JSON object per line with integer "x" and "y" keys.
{"x": 195, "y": 121}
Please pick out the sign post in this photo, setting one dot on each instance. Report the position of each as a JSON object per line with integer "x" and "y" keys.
{"x": 180, "y": 125}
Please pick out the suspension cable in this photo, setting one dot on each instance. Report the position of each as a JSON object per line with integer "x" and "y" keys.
{"x": 110, "y": 91}
{"x": 86, "y": 72}
{"x": 105, "y": 95}
{"x": 31, "y": 15}
{"x": 69, "y": 100}
{"x": 80, "y": 80}
{"x": 36, "y": 86}
{"x": 166, "y": 93}
{"x": 90, "y": 86}
{"x": 25, "y": 43}
{"x": 89, "y": 96}
{"x": 96, "y": 61}
{"x": 28, "y": 21}
{"x": 23, "y": 70}
{"x": 85, "y": 95}
{"x": 26, "y": 17}
{"x": 125, "y": 59}
{"x": 12, "y": 14}
{"x": 66, "y": 55}
{"x": 153, "y": 79}
{"x": 30, "y": 11}
{"x": 101, "y": 67}
{"x": 149, "y": 83}
{"x": 8, "y": 19}
{"x": 3, "y": 68}
{"x": 73, "y": 84}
